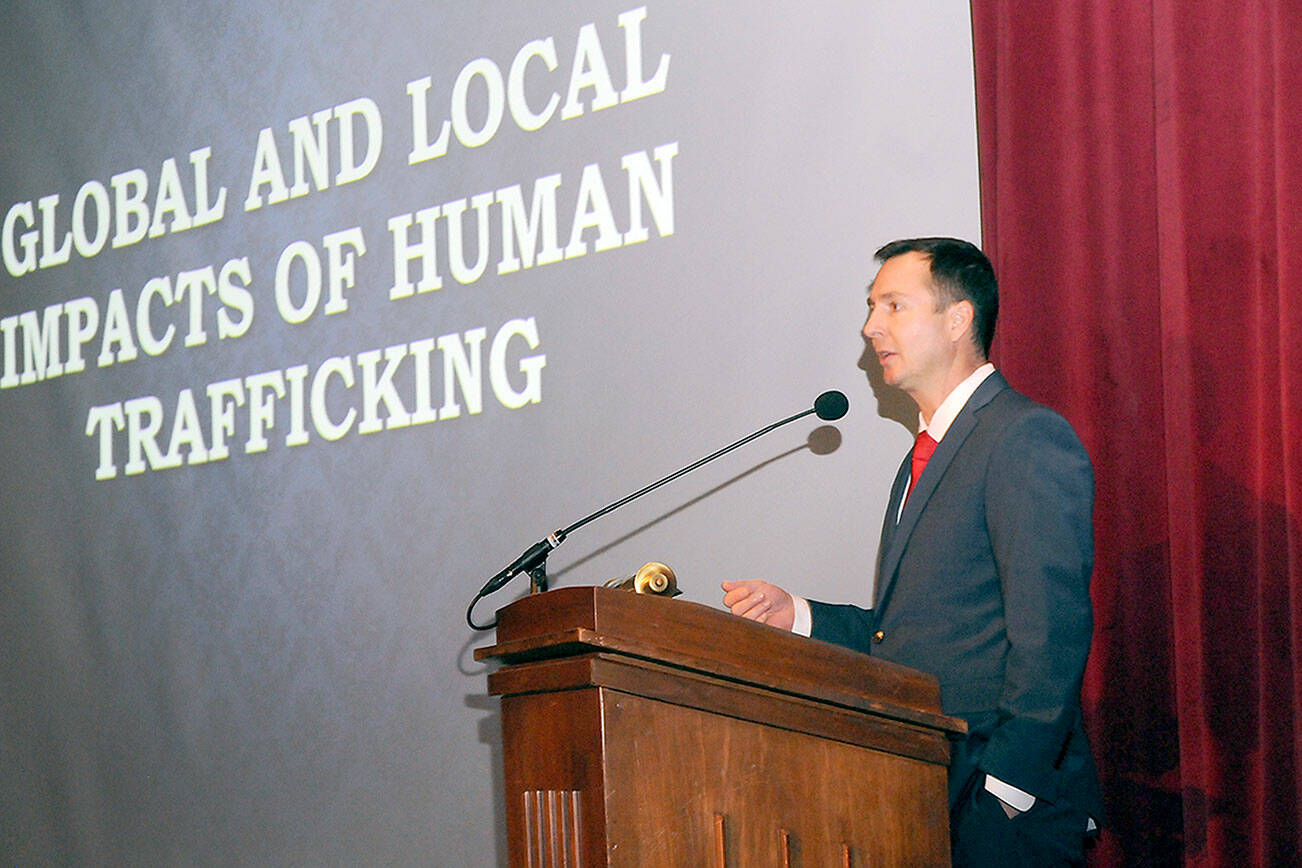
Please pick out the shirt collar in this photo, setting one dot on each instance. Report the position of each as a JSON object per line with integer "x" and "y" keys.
{"x": 953, "y": 404}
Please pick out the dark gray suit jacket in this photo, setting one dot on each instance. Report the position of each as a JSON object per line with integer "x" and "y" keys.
{"x": 984, "y": 582}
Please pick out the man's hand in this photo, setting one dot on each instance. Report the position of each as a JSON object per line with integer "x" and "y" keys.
{"x": 760, "y": 601}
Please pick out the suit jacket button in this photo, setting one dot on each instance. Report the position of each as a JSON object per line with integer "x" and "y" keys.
{"x": 879, "y": 636}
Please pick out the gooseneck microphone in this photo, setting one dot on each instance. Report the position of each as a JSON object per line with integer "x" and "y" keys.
{"x": 828, "y": 406}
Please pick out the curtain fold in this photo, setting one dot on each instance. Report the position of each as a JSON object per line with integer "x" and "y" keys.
{"x": 1141, "y": 180}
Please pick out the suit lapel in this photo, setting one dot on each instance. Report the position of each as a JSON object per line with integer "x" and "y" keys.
{"x": 889, "y": 526}
{"x": 895, "y": 538}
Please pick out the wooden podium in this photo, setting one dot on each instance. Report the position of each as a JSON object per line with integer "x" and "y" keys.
{"x": 645, "y": 731}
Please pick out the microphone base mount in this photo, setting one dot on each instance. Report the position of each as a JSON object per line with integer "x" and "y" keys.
{"x": 538, "y": 578}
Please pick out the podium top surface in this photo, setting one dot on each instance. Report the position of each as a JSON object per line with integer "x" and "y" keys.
{"x": 581, "y": 620}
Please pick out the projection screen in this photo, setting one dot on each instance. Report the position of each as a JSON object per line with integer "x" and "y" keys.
{"x": 314, "y": 316}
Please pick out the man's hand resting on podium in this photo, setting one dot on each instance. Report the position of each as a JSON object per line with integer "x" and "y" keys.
{"x": 760, "y": 601}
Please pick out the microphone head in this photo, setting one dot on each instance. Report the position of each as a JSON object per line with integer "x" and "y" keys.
{"x": 831, "y": 405}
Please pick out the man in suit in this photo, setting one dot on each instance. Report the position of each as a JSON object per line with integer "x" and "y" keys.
{"x": 984, "y": 565}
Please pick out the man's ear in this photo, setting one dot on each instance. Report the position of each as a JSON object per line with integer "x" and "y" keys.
{"x": 959, "y": 318}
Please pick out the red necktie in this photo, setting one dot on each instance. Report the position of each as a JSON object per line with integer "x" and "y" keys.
{"x": 922, "y": 451}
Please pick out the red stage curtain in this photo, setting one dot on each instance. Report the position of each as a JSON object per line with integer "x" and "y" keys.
{"x": 1141, "y": 177}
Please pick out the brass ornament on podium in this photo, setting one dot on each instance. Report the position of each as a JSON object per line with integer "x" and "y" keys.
{"x": 652, "y": 578}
